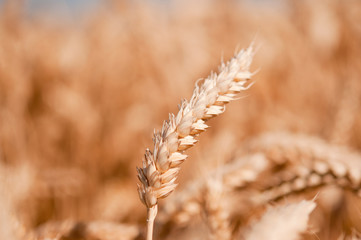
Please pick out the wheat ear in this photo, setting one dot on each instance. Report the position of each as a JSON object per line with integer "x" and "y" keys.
{"x": 308, "y": 162}
{"x": 160, "y": 168}
{"x": 284, "y": 222}
{"x": 309, "y": 154}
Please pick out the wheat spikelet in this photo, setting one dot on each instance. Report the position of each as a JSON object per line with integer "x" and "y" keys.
{"x": 285, "y": 222}
{"x": 161, "y": 167}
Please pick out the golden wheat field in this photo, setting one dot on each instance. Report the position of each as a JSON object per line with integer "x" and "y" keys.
{"x": 80, "y": 99}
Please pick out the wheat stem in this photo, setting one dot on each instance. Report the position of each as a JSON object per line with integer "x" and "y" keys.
{"x": 152, "y": 213}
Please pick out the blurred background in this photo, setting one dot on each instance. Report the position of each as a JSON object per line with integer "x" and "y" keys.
{"x": 84, "y": 83}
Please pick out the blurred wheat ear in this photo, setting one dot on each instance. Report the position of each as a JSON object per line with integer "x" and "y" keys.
{"x": 161, "y": 166}
{"x": 272, "y": 224}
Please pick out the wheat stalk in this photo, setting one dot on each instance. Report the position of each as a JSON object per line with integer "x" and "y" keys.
{"x": 160, "y": 167}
